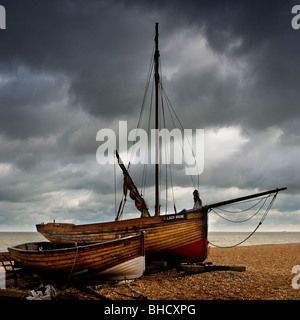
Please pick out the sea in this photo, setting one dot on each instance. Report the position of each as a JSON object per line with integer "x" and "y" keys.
{"x": 220, "y": 239}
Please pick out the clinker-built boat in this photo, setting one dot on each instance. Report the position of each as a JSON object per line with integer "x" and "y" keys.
{"x": 113, "y": 260}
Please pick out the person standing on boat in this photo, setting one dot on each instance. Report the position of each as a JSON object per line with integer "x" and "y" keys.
{"x": 197, "y": 200}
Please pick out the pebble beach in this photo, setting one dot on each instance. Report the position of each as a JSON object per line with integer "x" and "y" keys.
{"x": 268, "y": 276}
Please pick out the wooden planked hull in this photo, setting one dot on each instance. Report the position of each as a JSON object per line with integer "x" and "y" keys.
{"x": 167, "y": 235}
{"x": 46, "y": 257}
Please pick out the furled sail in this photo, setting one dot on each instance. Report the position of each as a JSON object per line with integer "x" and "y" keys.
{"x": 128, "y": 184}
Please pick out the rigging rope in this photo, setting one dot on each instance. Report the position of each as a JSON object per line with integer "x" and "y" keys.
{"x": 164, "y": 103}
{"x": 245, "y": 201}
{"x": 171, "y": 110}
{"x": 71, "y": 272}
{"x": 144, "y": 176}
{"x": 252, "y": 233}
{"x": 166, "y": 153}
{"x": 150, "y": 72}
{"x": 115, "y": 187}
{"x": 240, "y": 221}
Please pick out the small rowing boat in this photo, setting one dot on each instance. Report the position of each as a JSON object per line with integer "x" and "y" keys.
{"x": 113, "y": 260}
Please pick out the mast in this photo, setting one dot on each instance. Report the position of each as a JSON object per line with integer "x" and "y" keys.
{"x": 156, "y": 76}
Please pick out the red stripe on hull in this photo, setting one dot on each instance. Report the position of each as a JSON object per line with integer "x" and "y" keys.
{"x": 197, "y": 251}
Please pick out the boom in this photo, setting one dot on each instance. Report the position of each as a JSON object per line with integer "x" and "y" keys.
{"x": 223, "y": 203}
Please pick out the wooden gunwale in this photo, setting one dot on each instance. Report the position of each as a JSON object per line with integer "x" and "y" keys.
{"x": 95, "y": 264}
{"x": 56, "y": 259}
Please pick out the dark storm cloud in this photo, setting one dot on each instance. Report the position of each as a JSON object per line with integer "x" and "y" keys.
{"x": 28, "y": 101}
{"x": 258, "y": 34}
{"x": 69, "y": 68}
{"x": 90, "y": 42}
{"x": 100, "y": 46}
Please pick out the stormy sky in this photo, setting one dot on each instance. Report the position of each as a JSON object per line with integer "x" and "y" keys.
{"x": 69, "y": 68}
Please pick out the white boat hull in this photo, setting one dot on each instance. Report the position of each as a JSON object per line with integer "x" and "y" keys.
{"x": 128, "y": 270}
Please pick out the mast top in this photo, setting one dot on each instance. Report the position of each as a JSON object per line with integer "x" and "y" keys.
{"x": 156, "y": 55}
{"x": 156, "y": 31}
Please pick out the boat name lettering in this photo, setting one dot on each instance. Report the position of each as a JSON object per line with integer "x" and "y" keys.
{"x": 174, "y": 217}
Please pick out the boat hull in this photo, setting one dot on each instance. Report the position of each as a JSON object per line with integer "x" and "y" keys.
{"x": 130, "y": 269}
{"x": 197, "y": 251}
{"x": 168, "y": 236}
{"x": 122, "y": 258}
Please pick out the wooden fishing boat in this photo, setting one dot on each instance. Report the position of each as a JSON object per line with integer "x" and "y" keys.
{"x": 180, "y": 236}
{"x": 114, "y": 260}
